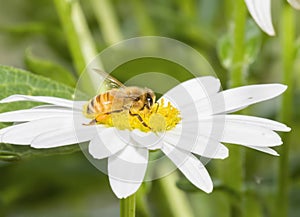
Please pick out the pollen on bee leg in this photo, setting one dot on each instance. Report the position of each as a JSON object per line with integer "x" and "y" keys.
{"x": 157, "y": 122}
{"x": 121, "y": 120}
{"x": 101, "y": 118}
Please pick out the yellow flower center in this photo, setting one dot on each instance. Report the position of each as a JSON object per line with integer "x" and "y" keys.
{"x": 159, "y": 118}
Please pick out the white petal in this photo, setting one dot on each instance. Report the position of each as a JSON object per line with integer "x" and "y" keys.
{"x": 45, "y": 99}
{"x": 226, "y": 101}
{"x": 190, "y": 166}
{"x": 197, "y": 144}
{"x": 265, "y": 150}
{"x": 207, "y": 126}
{"x": 210, "y": 149}
{"x": 207, "y": 106}
{"x": 148, "y": 140}
{"x": 241, "y": 97}
{"x": 266, "y": 123}
{"x": 33, "y": 114}
{"x": 2, "y": 131}
{"x": 201, "y": 87}
{"x": 193, "y": 90}
{"x": 186, "y": 95}
{"x": 222, "y": 152}
{"x": 23, "y": 134}
{"x": 260, "y": 10}
{"x": 62, "y": 137}
{"x": 112, "y": 135}
{"x": 99, "y": 149}
{"x": 213, "y": 126}
{"x": 249, "y": 135}
{"x": 55, "y": 107}
{"x": 77, "y": 106}
{"x": 123, "y": 189}
{"x": 295, "y": 3}
{"x": 126, "y": 170}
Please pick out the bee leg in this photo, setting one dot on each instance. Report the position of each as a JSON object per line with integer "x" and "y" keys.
{"x": 93, "y": 122}
{"x": 115, "y": 111}
{"x": 102, "y": 116}
{"x": 140, "y": 119}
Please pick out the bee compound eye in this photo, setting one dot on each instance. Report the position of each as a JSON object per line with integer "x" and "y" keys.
{"x": 150, "y": 100}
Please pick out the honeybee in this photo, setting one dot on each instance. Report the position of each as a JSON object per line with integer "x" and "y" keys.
{"x": 121, "y": 98}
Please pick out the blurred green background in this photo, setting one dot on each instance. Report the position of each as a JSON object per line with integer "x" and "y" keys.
{"x": 65, "y": 183}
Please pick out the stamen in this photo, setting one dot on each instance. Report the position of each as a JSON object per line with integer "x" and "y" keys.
{"x": 158, "y": 119}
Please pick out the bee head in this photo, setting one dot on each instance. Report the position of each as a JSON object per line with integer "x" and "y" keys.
{"x": 146, "y": 99}
{"x": 150, "y": 98}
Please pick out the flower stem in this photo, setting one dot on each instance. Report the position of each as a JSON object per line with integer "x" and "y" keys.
{"x": 287, "y": 37}
{"x": 188, "y": 7}
{"x": 127, "y": 206}
{"x": 107, "y": 21}
{"x": 174, "y": 199}
{"x": 80, "y": 41}
{"x": 233, "y": 167}
{"x": 237, "y": 68}
{"x": 142, "y": 208}
{"x": 144, "y": 22}
{"x": 81, "y": 44}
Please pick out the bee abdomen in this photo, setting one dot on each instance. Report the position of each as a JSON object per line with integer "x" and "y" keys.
{"x": 90, "y": 107}
{"x": 99, "y": 103}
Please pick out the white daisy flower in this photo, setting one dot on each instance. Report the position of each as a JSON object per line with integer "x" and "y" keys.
{"x": 295, "y": 3}
{"x": 260, "y": 10}
{"x": 191, "y": 119}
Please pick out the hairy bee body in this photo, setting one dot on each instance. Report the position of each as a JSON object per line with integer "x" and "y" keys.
{"x": 131, "y": 99}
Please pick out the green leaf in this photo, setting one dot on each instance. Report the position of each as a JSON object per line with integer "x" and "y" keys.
{"x": 49, "y": 69}
{"x": 25, "y": 29}
{"x": 225, "y": 51}
{"x": 18, "y": 81}
{"x": 10, "y": 153}
{"x": 253, "y": 40}
{"x": 50, "y": 32}
{"x": 185, "y": 185}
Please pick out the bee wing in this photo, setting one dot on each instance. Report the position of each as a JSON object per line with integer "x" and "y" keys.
{"x": 113, "y": 82}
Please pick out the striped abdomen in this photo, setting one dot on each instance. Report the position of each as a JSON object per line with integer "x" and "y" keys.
{"x": 101, "y": 103}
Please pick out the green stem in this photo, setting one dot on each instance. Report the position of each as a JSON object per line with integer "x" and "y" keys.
{"x": 233, "y": 167}
{"x": 142, "y": 208}
{"x": 107, "y": 21}
{"x": 79, "y": 38}
{"x": 81, "y": 44}
{"x": 175, "y": 200}
{"x": 189, "y": 7}
{"x": 287, "y": 31}
{"x": 237, "y": 70}
{"x": 144, "y": 21}
{"x": 228, "y": 10}
{"x": 127, "y": 206}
